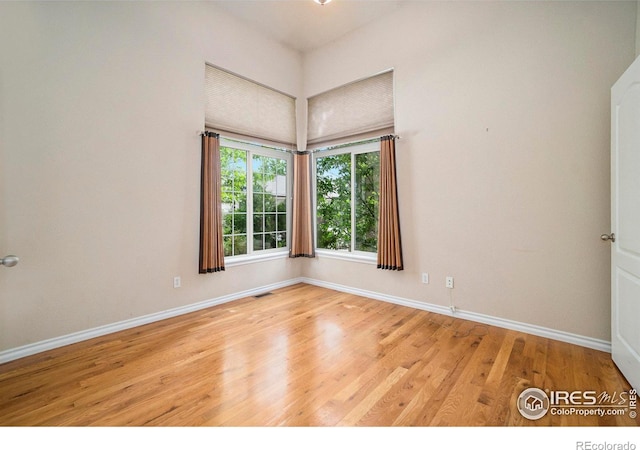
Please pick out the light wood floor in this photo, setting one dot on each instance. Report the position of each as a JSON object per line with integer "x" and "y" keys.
{"x": 302, "y": 356}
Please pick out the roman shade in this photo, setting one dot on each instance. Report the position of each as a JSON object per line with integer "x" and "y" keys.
{"x": 245, "y": 108}
{"x": 352, "y": 110}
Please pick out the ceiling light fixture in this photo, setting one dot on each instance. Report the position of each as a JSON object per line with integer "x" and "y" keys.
{"x": 322, "y": 2}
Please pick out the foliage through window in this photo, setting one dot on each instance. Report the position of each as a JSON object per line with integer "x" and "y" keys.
{"x": 347, "y": 185}
{"x": 254, "y": 198}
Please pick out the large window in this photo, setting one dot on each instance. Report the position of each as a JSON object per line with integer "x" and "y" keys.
{"x": 346, "y": 186}
{"x": 255, "y": 197}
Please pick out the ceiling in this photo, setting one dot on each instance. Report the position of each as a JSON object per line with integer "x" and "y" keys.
{"x": 304, "y": 25}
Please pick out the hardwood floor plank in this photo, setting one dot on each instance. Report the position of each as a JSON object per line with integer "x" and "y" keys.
{"x": 372, "y": 398}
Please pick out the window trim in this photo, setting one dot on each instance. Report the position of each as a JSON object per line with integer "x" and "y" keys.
{"x": 272, "y": 152}
{"x": 354, "y": 148}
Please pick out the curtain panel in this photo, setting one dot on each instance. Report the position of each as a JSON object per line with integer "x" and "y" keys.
{"x": 211, "y": 246}
{"x": 302, "y": 225}
{"x": 389, "y": 242}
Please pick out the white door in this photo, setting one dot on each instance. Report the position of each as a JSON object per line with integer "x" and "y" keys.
{"x": 625, "y": 222}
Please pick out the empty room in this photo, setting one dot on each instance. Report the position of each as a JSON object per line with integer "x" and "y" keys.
{"x": 297, "y": 214}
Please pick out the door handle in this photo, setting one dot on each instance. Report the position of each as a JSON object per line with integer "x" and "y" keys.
{"x": 608, "y": 237}
{"x": 9, "y": 261}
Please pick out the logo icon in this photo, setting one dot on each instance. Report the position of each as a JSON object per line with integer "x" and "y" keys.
{"x": 533, "y": 403}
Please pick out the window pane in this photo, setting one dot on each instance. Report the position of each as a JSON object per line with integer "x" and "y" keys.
{"x": 258, "y": 243}
{"x": 270, "y": 203}
{"x": 282, "y": 167}
{"x": 281, "y": 239}
{"x": 258, "y": 223}
{"x": 239, "y": 223}
{"x": 271, "y": 167}
{"x": 281, "y": 222}
{"x": 227, "y": 180}
{"x": 258, "y": 203}
{"x": 281, "y": 204}
{"x": 240, "y": 245}
{"x": 366, "y": 198}
{"x": 241, "y": 202}
{"x": 281, "y": 184}
{"x": 270, "y": 240}
{"x": 227, "y": 225}
{"x": 234, "y": 200}
{"x": 228, "y": 245}
{"x": 258, "y": 174}
{"x": 257, "y": 164}
{"x": 239, "y": 162}
{"x": 269, "y": 222}
{"x": 333, "y": 201}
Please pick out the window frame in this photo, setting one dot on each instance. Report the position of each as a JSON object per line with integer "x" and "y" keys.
{"x": 355, "y": 148}
{"x": 254, "y": 148}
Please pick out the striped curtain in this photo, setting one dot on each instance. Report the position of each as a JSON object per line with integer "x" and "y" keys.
{"x": 389, "y": 242}
{"x": 301, "y": 226}
{"x": 211, "y": 247}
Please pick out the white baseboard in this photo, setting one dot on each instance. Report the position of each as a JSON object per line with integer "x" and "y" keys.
{"x": 583, "y": 341}
{"x": 50, "y": 344}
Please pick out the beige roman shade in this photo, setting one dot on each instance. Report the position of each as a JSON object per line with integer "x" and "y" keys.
{"x": 352, "y": 110}
{"x": 242, "y": 107}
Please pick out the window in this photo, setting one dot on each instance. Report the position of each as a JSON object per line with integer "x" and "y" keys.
{"x": 346, "y": 192}
{"x": 347, "y": 176}
{"x": 255, "y": 198}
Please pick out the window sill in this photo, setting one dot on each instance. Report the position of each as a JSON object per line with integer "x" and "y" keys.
{"x": 347, "y": 256}
{"x": 362, "y": 258}
{"x": 241, "y": 260}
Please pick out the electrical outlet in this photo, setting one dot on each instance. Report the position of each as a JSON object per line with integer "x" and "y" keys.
{"x": 176, "y": 282}
{"x": 425, "y": 277}
{"x": 449, "y": 282}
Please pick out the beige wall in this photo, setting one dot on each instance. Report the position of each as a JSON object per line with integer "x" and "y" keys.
{"x": 503, "y": 110}
{"x": 100, "y": 106}
{"x": 637, "y": 28}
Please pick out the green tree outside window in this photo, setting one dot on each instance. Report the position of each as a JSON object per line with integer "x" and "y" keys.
{"x": 334, "y": 193}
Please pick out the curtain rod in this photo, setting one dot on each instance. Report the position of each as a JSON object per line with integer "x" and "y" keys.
{"x": 395, "y": 137}
{"x": 257, "y": 143}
